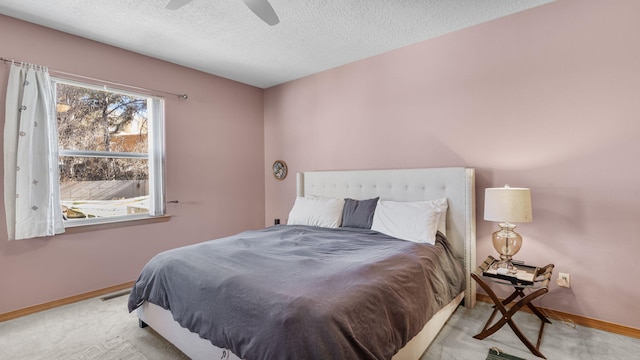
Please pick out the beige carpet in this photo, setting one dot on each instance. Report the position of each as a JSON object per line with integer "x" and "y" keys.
{"x": 91, "y": 329}
{"x": 112, "y": 349}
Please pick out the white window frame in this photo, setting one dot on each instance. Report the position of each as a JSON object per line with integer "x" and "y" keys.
{"x": 155, "y": 156}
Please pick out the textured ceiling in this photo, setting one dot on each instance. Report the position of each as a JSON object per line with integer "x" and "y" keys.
{"x": 224, "y": 38}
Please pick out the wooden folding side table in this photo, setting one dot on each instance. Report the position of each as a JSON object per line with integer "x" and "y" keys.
{"x": 528, "y": 277}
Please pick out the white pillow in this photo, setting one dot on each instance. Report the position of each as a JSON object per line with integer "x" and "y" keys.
{"x": 320, "y": 212}
{"x": 412, "y": 221}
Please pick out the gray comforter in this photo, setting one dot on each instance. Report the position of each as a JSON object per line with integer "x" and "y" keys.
{"x": 300, "y": 292}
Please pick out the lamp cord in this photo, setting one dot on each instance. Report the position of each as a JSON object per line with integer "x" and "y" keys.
{"x": 545, "y": 311}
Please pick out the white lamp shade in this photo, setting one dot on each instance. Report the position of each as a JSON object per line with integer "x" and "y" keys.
{"x": 507, "y": 204}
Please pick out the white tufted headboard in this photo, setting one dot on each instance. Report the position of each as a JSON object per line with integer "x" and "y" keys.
{"x": 456, "y": 184}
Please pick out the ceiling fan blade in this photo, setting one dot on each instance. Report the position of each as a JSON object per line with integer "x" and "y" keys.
{"x": 263, "y": 9}
{"x": 177, "y": 4}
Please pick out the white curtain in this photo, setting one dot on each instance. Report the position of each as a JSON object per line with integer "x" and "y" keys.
{"x": 31, "y": 185}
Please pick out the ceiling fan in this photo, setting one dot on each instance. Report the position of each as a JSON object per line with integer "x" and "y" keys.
{"x": 262, "y": 8}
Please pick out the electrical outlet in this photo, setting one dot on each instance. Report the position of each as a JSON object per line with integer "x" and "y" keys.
{"x": 564, "y": 280}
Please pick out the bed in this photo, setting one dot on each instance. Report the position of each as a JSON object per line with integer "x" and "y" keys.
{"x": 405, "y": 185}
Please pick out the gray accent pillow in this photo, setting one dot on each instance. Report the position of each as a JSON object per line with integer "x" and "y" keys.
{"x": 358, "y": 213}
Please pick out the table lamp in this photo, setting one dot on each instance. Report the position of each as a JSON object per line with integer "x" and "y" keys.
{"x": 507, "y": 205}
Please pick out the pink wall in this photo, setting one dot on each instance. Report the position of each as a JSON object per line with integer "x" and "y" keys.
{"x": 219, "y": 183}
{"x": 548, "y": 99}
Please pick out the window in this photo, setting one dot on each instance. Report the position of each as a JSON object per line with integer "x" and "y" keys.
{"x": 111, "y": 153}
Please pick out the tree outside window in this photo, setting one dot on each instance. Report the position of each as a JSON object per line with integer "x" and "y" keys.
{"x": 104, "y": 158}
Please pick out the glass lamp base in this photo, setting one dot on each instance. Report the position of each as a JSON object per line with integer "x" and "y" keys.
{"x": 507, "y": 243}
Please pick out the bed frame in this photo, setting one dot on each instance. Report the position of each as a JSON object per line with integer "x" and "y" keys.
{"x": 456, "y": 184}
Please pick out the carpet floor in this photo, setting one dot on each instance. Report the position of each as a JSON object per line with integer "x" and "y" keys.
{"x": 112, "y": 349}
{"x": 103, "y": 330}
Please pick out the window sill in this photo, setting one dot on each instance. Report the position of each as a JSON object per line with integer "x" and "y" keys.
{"x": 80, "y": 228}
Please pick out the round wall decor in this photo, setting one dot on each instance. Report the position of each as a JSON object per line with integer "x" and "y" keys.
{"x": 279, "y": 169}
